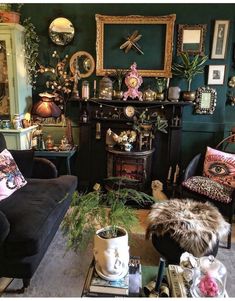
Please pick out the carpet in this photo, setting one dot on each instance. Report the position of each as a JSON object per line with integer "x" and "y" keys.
{"x": 62, "y": 274}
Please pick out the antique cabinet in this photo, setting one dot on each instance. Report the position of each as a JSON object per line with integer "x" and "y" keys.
{"x": 15, "y": 91}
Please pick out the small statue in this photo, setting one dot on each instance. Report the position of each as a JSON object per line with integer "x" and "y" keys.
{"x": 157, "y": 191}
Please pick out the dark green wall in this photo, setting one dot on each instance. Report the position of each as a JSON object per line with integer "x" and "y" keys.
{"x": 198, "y": 131}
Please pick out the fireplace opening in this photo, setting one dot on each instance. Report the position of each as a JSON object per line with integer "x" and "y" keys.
{"x": 135, "y": 165}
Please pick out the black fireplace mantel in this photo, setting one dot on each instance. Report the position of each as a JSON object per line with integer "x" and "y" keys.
{"x": 96, "y": 116}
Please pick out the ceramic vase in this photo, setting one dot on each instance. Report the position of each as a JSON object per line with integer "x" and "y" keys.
{"x": 111, "y": 254}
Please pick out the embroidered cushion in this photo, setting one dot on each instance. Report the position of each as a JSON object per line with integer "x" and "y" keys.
{"x": 11, "y": 178}
{"x": 209, "y": 188}
{"x": 220, "y": 167}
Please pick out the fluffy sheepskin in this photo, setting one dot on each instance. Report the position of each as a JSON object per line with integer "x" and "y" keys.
{"x": 195, "y": 226}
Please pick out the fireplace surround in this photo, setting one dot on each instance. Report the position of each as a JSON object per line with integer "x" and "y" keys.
{"x": 104, "y": 114}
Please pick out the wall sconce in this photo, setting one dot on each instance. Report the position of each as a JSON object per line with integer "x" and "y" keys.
{"x": 46, "y": 107}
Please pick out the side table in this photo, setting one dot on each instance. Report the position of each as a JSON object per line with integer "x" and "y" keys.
{"x": 58, "y": 154}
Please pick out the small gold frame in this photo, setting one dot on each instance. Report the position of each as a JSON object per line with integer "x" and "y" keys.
{"x": 102, "y": 21}
{"x": 196, "y": 34}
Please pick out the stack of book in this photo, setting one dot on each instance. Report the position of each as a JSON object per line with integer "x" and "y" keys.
{"x": 129, "y": 285}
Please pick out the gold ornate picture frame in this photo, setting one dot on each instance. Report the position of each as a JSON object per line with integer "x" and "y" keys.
{"x": 191, "y": 39}
{"x": 156, "y": 42}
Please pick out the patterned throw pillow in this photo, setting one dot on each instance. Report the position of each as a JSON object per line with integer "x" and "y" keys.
{"x": 220, "y": 167}
{"x": 209, "y": 188}
{"x": 11, "y": 178}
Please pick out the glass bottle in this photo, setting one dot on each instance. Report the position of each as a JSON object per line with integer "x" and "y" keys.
{"x": 85, "y": 89}
{"x": 17, "y": 122}
{"x": 105, "y": 88}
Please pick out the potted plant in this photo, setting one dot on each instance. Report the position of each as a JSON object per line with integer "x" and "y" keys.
{"x": 145, "y": 122}
{"x": 188, "y": 69}
{"x": 107, "y": 217}
{"x": 10, "y": 14}
{"x": 118, "y": 75}
{"x": 161, "y": 85}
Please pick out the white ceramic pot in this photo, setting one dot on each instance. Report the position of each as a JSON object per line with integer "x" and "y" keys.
{"x": 111, "y": 255}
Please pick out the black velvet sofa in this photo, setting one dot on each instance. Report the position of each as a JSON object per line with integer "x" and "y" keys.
{"x": 30, "y": 217}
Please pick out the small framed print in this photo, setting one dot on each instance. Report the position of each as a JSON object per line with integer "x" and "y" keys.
{"x": 216, "y": 74}
{"x": 220, "y": 38}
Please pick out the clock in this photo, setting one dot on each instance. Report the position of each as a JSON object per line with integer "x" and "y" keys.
{"x": 129, "y": 111}
{"x": 133, "y": 81}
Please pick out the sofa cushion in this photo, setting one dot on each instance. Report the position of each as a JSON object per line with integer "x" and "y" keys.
{"x": 209, "y": 188}
{"x": 11, "y": 178}
{"x": 220, "y": 167}
{"x": 32, "y": 220}
{"x": 24, "y": 160}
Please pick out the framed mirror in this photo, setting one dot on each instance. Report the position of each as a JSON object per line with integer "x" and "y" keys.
{"x": 155, "y": 38}
{"x": 191, "y": 39}
{"x": 205, "y": 100}
{"x": 61, "y": 31}
{"x": 83, "y": 62}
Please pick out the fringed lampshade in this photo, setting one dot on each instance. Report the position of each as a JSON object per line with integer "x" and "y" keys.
{"x": 46, "y": 107}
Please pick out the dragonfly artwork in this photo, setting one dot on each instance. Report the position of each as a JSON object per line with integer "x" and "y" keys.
{"x": 131, "y": 42}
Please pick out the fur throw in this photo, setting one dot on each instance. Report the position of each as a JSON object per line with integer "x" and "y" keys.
{"x": 195, "y": 226}
{"x": 157, "y": 191}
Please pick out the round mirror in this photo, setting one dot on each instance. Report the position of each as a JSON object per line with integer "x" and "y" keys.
{"x": 61, "y": 31}
{"x": 83, "y": 63}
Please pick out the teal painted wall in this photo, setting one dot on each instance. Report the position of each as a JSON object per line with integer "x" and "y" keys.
{"x": 198, "y": 131}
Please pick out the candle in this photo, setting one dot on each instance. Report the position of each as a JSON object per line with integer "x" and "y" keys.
{"x": 94, "y": 84}
{"x": 169, "y": 174}
{"x": 160, "y": 274}
{"x": 167, "y": 82}
{"x": 175, "y": 177}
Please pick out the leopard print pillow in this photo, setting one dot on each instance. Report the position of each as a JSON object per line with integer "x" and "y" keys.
{"x": 209, "y": 188}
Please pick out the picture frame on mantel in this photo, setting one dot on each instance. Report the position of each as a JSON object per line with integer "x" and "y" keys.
{"x": 156, "y": 42}
{"x": 205, "y": 102}
{"x": 220, "y": 38}
{"x": 216, "y": 74}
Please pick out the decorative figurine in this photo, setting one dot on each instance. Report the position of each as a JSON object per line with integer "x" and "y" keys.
{"x": 133, "y": 81}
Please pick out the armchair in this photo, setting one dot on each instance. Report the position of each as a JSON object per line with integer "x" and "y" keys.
{"x": 195, "y": 168}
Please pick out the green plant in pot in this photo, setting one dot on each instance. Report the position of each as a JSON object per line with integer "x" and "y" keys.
{"x": 107, "y": 218}
{"x": 188, "y": 68}
{"x": 10, "y": 13}
{"x": 119, "y": 75}
{"x": 161, "y": 86}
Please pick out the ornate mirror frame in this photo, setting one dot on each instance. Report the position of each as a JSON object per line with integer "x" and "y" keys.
{"x": 191, "y": 39}
{"x": 102, "y": 40}
{"x": 205, "y": 102}
{"x": 76, "y": 56}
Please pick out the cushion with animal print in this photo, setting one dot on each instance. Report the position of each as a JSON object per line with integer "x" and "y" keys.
{"x": 209, "y": 188}
{"x": 11, "y": 178}
{"x": 220, "y": 167}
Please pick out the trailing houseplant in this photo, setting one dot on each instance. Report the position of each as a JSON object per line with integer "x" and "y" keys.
{"x": 188, "y": 68}
{"x": 31, "y": 46}
{"x": 106, "y": 216}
